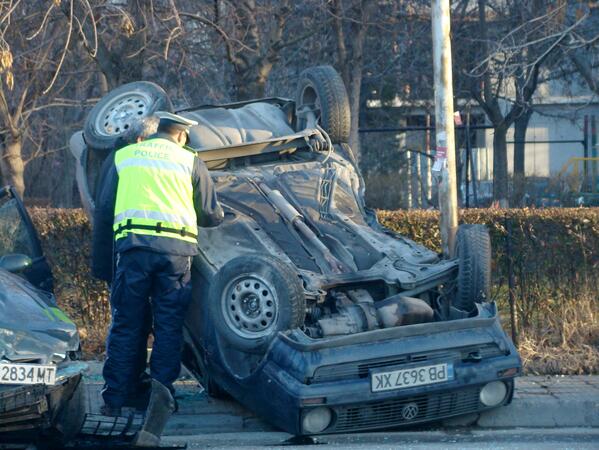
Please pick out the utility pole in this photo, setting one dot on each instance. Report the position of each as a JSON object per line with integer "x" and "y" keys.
{"x": 444, "y": 168}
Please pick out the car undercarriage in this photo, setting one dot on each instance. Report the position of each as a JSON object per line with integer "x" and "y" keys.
{"x": 305, "y": 309}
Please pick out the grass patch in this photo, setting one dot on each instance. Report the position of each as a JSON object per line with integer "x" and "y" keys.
{"x": 566, "y": 340}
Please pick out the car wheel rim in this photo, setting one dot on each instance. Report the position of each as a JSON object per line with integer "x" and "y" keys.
{"x": 250, "y": 306}
{"x": 119, "y": 114}
{"x": 310, "y": 99}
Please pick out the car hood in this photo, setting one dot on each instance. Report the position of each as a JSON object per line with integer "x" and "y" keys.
{"x": 32, "y": 328}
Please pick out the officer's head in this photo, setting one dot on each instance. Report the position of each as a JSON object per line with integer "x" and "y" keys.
{"x": 175, "y": 126}
{"x": 137, "y": 131}
{"x": 141, "y": 129}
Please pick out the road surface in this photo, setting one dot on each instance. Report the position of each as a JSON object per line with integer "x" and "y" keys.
{"x": 525, "y": 439}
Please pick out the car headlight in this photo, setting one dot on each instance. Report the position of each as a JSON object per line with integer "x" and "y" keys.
{"x": 493, "y": 393}
{"x": 317, "y": 420}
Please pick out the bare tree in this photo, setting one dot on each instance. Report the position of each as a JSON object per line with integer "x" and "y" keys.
{"x": 351, "y": 20}
{"x": 116, "y": 37}
{"x": 33, "y": 48}
{"x": 254, "y": 34}
{"x": 511, "y": 43}
{"x": 582, "y": 47}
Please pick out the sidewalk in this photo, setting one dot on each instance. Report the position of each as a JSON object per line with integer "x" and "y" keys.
{"x": 544, "y": 402}
{"x": 539, "y": 402}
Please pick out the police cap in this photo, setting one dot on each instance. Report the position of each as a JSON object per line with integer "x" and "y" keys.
{"x": 170, "y": 120}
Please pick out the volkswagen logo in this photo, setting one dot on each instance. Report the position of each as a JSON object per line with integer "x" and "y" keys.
{"x": 409, "y": 411}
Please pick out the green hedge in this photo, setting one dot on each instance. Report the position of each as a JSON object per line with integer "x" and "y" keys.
{"x": 554, "y": 259}
{"x": 553, "y": 252}
{"x": 66, "y": 240}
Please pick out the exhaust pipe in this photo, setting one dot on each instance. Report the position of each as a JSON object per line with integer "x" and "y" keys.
{"x": 293, "y": 216}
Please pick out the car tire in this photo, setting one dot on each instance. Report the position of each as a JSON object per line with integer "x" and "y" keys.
{"x": 321, "y": 89}
{"x": 112, "y": 115}
{"x": 473, "y": 249}
{"x": 254, "y": 297}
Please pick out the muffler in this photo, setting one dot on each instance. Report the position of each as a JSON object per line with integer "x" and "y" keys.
{"x": 398, "y": 310}
{"x": 391, "y": 312}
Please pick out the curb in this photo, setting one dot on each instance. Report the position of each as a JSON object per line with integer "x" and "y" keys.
{"x": 543, "y": 402}
{"x": 539, "y": 402}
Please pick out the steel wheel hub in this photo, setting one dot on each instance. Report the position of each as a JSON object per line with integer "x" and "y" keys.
{"x": 250, "y": 306}
{"x": 117, "y": 116}
{"x": 311, "y": 100}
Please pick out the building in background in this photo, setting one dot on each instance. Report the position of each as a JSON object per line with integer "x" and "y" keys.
{"x": 396, "y": 167}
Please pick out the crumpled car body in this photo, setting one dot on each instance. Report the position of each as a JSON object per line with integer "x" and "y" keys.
{"x": 335, "y": 376}
{"x": 305, "y": 309}
{"x": 40, "y": 374}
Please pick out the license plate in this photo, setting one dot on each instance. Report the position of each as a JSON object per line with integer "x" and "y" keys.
{"x": 27, "y": 374}
{"x": 415, "y": 376}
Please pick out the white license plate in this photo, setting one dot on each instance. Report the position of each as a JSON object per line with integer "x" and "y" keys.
{"x": 27, "y": 374}
{"x": 415, "y": 376}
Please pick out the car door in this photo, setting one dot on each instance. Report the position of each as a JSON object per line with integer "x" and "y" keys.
{"x": 18, "y": 236}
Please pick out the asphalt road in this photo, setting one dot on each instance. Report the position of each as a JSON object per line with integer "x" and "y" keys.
{"x": 529, "y": 439}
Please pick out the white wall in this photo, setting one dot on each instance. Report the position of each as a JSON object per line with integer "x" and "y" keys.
{"x": 554, "y": 122}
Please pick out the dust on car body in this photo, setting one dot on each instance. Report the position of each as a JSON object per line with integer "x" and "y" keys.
{"x": 306, "y": 310}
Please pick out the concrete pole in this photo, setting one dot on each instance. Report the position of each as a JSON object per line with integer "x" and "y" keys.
{"x": 444, "y": 165}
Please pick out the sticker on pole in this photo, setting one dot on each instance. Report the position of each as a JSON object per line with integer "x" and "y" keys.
{"x": 457, "y": 119}
{"x": 441, "y": 152}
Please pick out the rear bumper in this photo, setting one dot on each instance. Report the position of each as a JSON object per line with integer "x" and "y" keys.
{"x": 299, "y": 374}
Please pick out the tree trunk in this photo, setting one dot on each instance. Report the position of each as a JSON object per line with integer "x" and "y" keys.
{"x": 350, "y": 56}
{"x": 251, "y": 83}
{"x": 12, "y": 165}
{"x": 354, "y": 107}
{"x": 500, "y": 175}
{"x": 120, "y": 60}
{"x": 403, "y": 175}
{"x": 520, "y": 127}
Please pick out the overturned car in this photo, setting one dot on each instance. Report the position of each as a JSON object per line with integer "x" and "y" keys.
{"x": 41, "y": 389}
{"x": 306, "y": 310}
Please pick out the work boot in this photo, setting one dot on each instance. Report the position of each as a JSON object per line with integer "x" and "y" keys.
{"x": 140, "y": 397}
{"x": 162, "y": 405}
{"x": 138, "y": 402}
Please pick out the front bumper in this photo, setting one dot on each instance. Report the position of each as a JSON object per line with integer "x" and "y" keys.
{"x": 355, "y": 408}
{"x": 300, "y": 374}
{"x": 28, "y": 410}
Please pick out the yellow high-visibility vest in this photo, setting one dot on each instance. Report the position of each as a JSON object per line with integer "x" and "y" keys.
{"x": 155, "y": 192}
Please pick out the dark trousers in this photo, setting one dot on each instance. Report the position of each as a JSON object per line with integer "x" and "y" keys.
{"x": 142, "y": 381}
{"x": 142, "y": 275}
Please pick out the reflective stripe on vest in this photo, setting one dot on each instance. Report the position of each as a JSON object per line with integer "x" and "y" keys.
{"x": 155, "y": 191}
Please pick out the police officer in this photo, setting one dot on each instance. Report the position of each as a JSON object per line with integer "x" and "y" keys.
{"x": 103, "y": 255}
{"x": 157, "y": 193}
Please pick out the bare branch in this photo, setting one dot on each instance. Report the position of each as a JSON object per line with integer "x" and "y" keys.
{"x": 43, "y": 24}
{"x": 585, "y": 70}
{"x": 64, "y": 53}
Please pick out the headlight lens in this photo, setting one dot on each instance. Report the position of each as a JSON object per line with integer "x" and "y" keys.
{"x": 493, "y": 393}
{"x": 317, "y": 420}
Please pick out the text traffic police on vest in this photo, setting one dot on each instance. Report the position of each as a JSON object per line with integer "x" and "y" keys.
{"x": 156, "y": 194}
